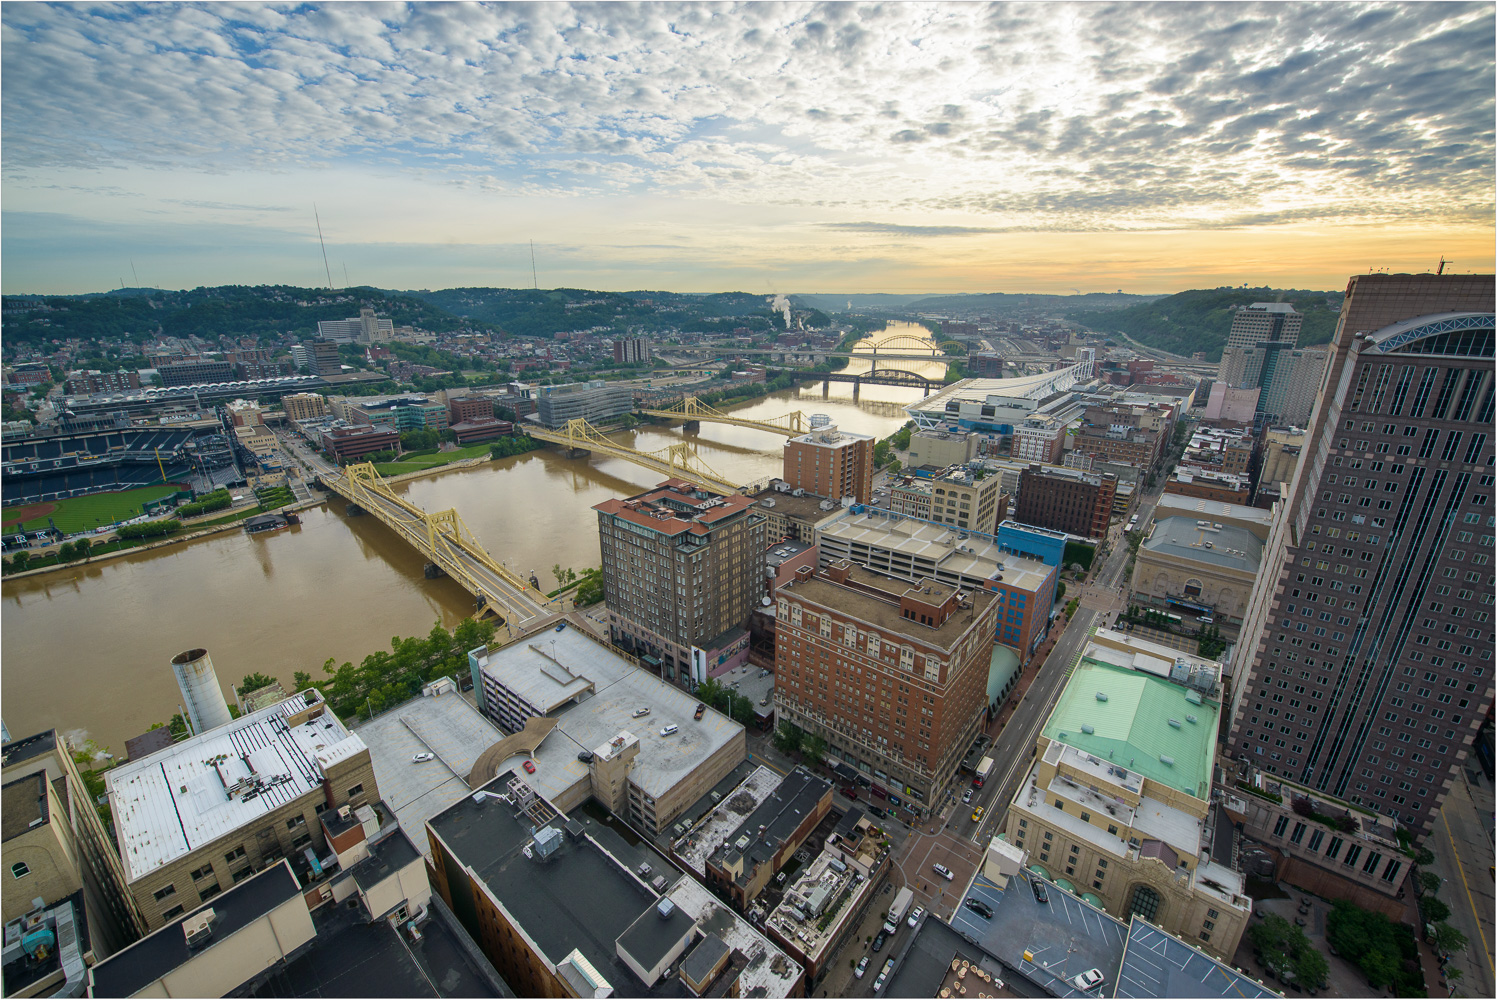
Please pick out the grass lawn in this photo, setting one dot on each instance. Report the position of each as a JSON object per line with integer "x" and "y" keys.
{"x": 84, "y": 513}
{"x": 417, "y": 461}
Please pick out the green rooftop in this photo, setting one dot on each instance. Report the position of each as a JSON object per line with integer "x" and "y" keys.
{"x": 1131, "y": 727}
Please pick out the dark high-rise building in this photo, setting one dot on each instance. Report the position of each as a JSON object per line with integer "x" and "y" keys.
{"x": 1066, "y": 499}
{"x": 195, "y": 372}
{"x": 1366, "y": 663}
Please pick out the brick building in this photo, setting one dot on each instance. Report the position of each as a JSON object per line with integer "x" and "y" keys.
{"x": 460, "y": 408}
{"x": 682, "y": 572}
{"x": 831, "y": 463}
{"x": 1066, "y": 500}
{"x": 892, "y": 675}
{"x": 83, "y": 383}
{"x": 355, "y": 441}
{"x": 304, "y": 405}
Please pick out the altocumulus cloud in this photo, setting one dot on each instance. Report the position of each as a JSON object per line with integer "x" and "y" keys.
{"x": 1088, "y": 116}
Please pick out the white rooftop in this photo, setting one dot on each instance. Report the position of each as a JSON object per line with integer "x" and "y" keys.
{"x": 618, "y": 689}
{"x": 693, "y": 847}
{"x": 190, "y": 794}
{"x": 771, "y": 972}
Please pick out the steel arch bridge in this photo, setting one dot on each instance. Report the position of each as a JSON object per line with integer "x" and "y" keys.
{"x": 906, "y": 340}
{"x": 678, "y": 460}
{"x": 691, "y": 408}
{"x": 448, "y": 543}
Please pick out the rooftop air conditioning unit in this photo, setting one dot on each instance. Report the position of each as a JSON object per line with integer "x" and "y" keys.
{"x": 198, "y": 928}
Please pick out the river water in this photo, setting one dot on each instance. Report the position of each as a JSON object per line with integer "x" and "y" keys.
{"x": 88, "y": 650}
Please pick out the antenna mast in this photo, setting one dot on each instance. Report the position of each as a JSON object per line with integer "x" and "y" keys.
{"x": 1443, "y": 262}
{"x": 320, "y": 243}
{"x": 534, "y": 280}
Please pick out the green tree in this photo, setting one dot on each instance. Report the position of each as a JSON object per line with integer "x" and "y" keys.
{"x": 1433, "y": 909}
{"x": 1447, "y": 939}
{"x": 301, "y": 679}
{"x": 1429, "y": 883}
{"x": 713, "y": 692}
{"x": 813, "y": 750}
{"x": 21, "y": 559}
{"x": 1424, "y": 857}
{"x": 788, "y": 738}
{"x": 1309, "y": 967}
{"x": 254, "y": 682}
{"x": 740, "y": 708}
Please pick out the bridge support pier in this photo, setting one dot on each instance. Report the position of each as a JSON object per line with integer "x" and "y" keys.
{"x": 692, "y": 426}
{"x": 857, "y": 384}
{"x": 433, "y": 571}
{"x": 826, "y": 388}
{"x": 577, "y": 453}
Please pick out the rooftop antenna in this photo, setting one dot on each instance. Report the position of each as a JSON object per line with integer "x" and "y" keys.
{"x": 133, "y": 274}
{"x": 345, "y": 274}
{"x": 1443, "y": 262}
{"x": 533, "y": 278}
{"x": 320, "y": 243}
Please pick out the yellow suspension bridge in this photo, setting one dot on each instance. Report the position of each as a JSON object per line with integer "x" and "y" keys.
{"x": 691, "y": 409}
{"x": 448, "y": 543}
{"x": 678, "y": 460}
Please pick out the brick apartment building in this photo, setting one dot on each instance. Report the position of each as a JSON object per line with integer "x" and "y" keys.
{"x": 682, "y": 572}
{"x": 831, "y": 463}
{"x": 1066, "y": 500}
{"x": 85, "y": 383}
{"x": 892, "y": 675}
{"x": 344, "y": 443}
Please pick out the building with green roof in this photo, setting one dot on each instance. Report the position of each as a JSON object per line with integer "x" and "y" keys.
{"x": 1118, "y": 799}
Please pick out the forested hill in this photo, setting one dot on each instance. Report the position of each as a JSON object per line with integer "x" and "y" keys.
{"x": 266, "y": 311}
{"x": 1198, "y": 320}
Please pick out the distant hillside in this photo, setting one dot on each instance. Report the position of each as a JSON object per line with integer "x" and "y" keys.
{"x": 227, "y": 310}
{"x": 528, "y": 312}
{"x": 994, "y": 304}
{"x": 1198, "y": 320}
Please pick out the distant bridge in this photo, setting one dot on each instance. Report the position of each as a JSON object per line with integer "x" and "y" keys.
{"x": 445, "y": 540}
{"x": 693, "y": 410}
{"x": 678, "y": 461}
{"x": 878, "y": 376}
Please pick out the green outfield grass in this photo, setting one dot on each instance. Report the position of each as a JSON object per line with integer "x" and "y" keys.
{"x": 84, "y": 513}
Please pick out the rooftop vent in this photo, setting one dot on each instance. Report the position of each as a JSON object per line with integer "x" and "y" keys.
{"x": 665, "y": 908}
{"x": 1166, "y": 761}
{"x": 1193, "y": 697}
{"x": 1190, "y": 719}
{"x": 1101, "y": 696}
{"x": 1174, "y": 723}
{"x": 1087, "y": 729}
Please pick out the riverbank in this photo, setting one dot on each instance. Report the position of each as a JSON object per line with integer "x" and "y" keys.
{"x": 203, "y": 532}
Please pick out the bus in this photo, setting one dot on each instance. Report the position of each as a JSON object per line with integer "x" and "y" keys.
{"x": 982, "y": 772}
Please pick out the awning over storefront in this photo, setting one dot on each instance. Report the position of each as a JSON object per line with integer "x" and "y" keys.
{"x": 1066, "y": 884}
{"x": 1094, "y": 899}
{"x": 1039, "y": 870}
{"x": 1189, "y": 605}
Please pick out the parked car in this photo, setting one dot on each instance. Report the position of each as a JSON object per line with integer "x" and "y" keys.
{"x": 586, "y": 756}
{"x": 915, "y": 915}
{"x": 701, "y": 708}
{"x": 878, "y": 941}
{"x": 1088, "y": 980}
{"x": 875, "y": 810}
{"x": 978, "y": 907}
{"x": 1038, "y": 887}
{"x": 421, "y": 758}
{"x": 561, "y": 626}
{"x": 862, "y": 967}
{"x": 640, "y": 713}
{"x": 530, "y": 767}
{"x": 967, "y": 797}
{"x": 851, "y": 793}
{"x": 668, "y": 730}
{"x": 943, "y": 871}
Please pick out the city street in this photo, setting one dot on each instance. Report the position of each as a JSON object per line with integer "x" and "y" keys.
{"x": 1462, "y": 843}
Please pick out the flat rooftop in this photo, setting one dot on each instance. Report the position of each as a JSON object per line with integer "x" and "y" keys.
{"x": 760, "y": 833}
{"x": 977, "y": 556}
{"x": 779, "y": 552}
{"x": 1184, "y": 537}
{"x": 1131, "y": 728}
{"x": 444, "y": 725}
{"x": 153, "y": 956}
{"x": 588, "y": 892}
{"x": 924, "y": 966}
{"x": 1197, "y": 508}
{"x": 883, "y": 611}
{"x": 1158, "y": 964}
{"x": 806, "y": 507}
{"x": 598, "y": 715}
{"x": 675, "y": 507}
{"x": 1066, "y": 936}
{"x": 978, "y": 390}
{"x": 190, "y": 794}
{"x": 23, "y": 804}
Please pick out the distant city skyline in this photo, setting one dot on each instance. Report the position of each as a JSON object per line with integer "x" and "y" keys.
{"x": 766, "y": 148}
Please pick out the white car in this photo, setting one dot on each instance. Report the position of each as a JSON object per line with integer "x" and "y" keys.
{"x": 422, "y": 757}
{"x": 915, "y": 915}
{"x": 943, "y": 871}
{"x": 967, "y": 797}
{"x": 668, "y": 730}
{"x": 1089, "y": 980}
{"x": 862, "y": 967}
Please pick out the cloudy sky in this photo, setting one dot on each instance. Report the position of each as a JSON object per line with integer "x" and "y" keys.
{"x": 896, "y": 147}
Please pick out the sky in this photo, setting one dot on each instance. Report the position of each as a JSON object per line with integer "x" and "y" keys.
{"x": 777, "y": 148}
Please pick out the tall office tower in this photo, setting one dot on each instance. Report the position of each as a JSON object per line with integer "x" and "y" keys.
{"x": 682, "y": 572}
{"x": 1265, "y": 322}
{"x": 1372, "y": 658}
{"x": 830, "y": 463}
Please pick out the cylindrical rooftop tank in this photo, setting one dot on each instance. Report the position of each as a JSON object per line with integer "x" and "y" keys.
{"x": 820, "y": 420}
{"x": 201, "y": 695}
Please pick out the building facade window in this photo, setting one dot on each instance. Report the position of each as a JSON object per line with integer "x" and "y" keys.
{"x": 19, "y": 870}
